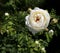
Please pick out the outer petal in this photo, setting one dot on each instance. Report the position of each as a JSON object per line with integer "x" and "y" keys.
{"x": 32, "y": 30}
{"x": 27, "y": 21}
{"x": 36, "y": 8}
{"x": 47, "y": 18}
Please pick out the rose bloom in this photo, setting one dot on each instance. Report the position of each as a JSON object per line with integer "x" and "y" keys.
{"x": 51, "y": 32}
{"x": 37, "y": 42}
{"x": 6, "y": 14}
{"x": 37, "y": 20}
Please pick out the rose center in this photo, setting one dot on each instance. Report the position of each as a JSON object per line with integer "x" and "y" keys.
{"x": 37, "y": 19}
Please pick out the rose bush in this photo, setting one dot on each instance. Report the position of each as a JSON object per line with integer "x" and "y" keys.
{"x": 38, "y": 20}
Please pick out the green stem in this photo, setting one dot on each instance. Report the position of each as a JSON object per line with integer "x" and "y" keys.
{"x": 47, "y": 36}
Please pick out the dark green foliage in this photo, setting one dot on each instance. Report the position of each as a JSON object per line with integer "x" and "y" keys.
{"x": 14, "y": 34}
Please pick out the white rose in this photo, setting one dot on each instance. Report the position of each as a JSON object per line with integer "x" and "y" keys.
{"x": 37, "y": 20}
{"x": 43, "y": 49}
{"x": 37, "y": 42}
{"x": 51, "y": 32}
{"x": 6, "y": 14}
